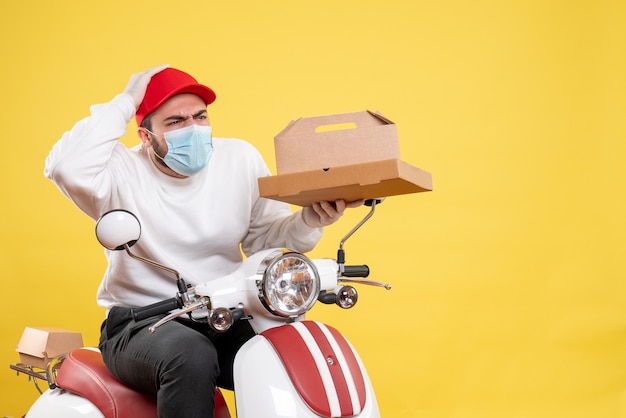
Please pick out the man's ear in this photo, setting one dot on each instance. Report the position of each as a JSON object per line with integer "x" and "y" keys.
{"x": 145, "y": 137}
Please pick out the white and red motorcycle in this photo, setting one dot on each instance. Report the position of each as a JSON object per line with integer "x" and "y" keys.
{"x": 293, "y": 367}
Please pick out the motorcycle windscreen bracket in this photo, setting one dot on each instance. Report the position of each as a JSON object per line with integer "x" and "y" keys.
{"x": 327, "y": 376}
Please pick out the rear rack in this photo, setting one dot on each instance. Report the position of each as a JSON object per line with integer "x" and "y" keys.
{"x": 34, "y": 373}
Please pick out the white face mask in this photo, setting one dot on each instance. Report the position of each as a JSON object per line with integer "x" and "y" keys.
{"x": 189, "y": 149}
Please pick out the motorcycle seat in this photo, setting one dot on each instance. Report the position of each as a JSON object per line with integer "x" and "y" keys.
{"x": 83, "y": 372}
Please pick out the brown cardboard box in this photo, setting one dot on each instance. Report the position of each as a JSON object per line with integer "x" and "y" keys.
{"x": 348, "y": 156}
{"x": 38, "y": 346}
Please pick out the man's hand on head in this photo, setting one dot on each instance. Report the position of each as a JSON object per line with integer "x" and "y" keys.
{"x": 138, "y": 83}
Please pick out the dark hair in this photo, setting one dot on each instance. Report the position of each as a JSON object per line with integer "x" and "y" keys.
{"x": 147, "y": 122}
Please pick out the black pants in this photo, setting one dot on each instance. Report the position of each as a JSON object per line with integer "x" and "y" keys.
{"x": 180, "y": 363}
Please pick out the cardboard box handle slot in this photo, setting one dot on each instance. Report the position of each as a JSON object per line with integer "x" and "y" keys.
{"x": 306, "y": 125}
{"x": 343, "y": 126}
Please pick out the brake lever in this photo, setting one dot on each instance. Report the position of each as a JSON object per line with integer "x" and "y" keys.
{"x": 364, "y": 281}
{"x": 201, "y": 303}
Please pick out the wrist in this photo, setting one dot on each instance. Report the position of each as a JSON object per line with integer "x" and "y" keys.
{"x": 126, "y": 104}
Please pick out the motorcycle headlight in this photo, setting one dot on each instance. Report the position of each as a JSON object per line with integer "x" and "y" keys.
{"x": 290, "y": 284}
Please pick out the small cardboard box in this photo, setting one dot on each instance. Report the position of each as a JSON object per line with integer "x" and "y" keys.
{"x": 348, "y": 156}
{"x": 38, "y": 346}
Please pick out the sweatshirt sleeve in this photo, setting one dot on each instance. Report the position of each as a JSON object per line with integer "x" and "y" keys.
{"x": 289, "y": 230}
{"x": 272, "y": 223}
{"x": 77, "y": 163}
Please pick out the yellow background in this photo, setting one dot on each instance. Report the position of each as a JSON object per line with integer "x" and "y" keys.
{"x": 509, "y": 295}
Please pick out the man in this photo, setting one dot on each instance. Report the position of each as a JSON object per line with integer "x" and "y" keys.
{"x": 198, "y": 201}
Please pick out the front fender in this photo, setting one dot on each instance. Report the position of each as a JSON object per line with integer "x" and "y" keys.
{"x": 304, "y": 369}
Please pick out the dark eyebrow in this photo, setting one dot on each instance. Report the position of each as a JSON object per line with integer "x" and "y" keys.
{"x": 181, "y": 118}
{"x": 200, "y": 113}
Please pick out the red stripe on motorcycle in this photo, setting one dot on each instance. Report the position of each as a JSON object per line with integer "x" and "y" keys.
{"x": 332, "y": 363}
{"x": 322, "y": 366}
{"x": 353, "y": 366}
{"x": 300, "y": 366}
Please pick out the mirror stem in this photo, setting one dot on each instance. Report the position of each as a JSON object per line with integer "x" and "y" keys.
{"x": 150, "y": 262}
{"x": 341, "y": 255}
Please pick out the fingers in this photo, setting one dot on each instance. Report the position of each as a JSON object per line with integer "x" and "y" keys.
{"x": 340, "y": 205}
{"x": 325, "y": 213}
{"x": 138, "y": 83}
{"x": 155, "y": 70}
{"x": 355, "y": 204}
{"x": 329, "y": 212}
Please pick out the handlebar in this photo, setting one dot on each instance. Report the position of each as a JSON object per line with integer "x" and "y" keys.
{"x": 356, "y": 271}
{"x": 349, "y": 274}
{"x": 157, "y": 308}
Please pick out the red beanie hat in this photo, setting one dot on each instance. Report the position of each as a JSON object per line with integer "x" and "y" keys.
{"x": 166, "y": 84}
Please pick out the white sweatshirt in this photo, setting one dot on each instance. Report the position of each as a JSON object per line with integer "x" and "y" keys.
{"x": 194, "y": 225}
